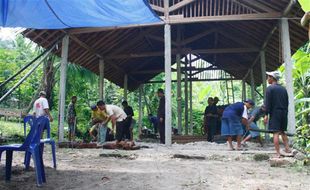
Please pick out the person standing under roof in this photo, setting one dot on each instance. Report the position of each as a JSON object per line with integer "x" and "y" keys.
{"x": 233, "y": 116}
{"x": 276, "y": 102}
{"x": 161, "y": 115}
{"x": 71, "y": 117}
{"x": 128, "y": 128}
{"x": 210, "y": 119}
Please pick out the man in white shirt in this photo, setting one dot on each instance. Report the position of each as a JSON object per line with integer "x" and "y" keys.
{"x": 116, "y": 113}
{"x": 41, "y": 108}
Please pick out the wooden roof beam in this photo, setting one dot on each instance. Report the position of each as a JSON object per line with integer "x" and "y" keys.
{"x": 198, "y": 36}
{"x": 255, "y": 5}
{"x": 101, "y": 29}
{"x": 175, "y": 51}
{"x": 157, "y": 8}
{"x": 160, "y": 39}
{"x": 235, "y": 38}
{"x": 226, "y": 18}
{"x": 180, "y": 5}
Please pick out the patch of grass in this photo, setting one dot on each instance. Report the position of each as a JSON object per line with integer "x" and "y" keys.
{"x": 11, "y": 132}
{"x": 260, "y": 157}
{"x": 9, "y": 129}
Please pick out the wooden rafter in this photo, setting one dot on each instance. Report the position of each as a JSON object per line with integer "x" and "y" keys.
{"x": 180, "y": 5}
{"x": 185, "y": 51}
{"x": 227, "y": 18}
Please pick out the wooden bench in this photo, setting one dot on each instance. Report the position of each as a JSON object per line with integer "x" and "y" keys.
{"x": 10, "y": 114}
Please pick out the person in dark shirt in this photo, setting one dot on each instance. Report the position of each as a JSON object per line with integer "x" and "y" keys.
{"x": 128, "y": 127}
{"x": 72, "y": 118}
{"x": 154, "y": 121}
{"x": 161, "y": 115}
{"x": 254, "y": 116}
{"x": 233, "y": 116}
{"x": 276, "y": 102}
{"x": 210, "y": 119}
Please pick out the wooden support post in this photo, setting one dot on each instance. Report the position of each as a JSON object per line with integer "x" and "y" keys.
{"x": 140, "y": 109}
{"x": 186, "y": 96}
{"x": 179, "y": 88}
{"x": 101, "y": 79}
{"x": 263, "y": 70}
{"x": 179, "y": 93}
{"x": 168, "y": 84}
{"x": 243, "y": 90}
{"x": 286, "y": 54}
{"x": 125, "y": 86}
{"x": 190, "y": 96}
{"x": 62, "y": 86}
{"x": 252, "y": 85}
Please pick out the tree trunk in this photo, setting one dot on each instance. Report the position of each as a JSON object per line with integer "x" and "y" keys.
{"x": 47, "y": 83}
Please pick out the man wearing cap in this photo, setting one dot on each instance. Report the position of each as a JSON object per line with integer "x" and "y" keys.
{"x": 98, "y": 117}
{"x": 276, "y": 102}
{"x": 41, "y": 108}
{"x": 233, "y": 117}
{"x": 161, "y": 115}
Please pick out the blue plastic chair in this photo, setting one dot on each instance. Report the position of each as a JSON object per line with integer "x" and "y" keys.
{"x": 48, "y": 140}
{"x": 31, "y": 145}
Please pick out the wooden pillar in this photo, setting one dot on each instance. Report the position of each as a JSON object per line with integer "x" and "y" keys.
{"x": 140, "y": 108}
{"x": 125, "y": 86}
{"x": 179, "y": 93}
{"x": 286, "y": 54}
{"x": 62, "y": 86}
{"x": 167, "y": 37}
{"x": 243, "y": 90}
{"x": 263, "y": 70}
{"x": 252, "y": 85}
{"x": 190, "y": 96}
{"x": 167, "y": 84}
{"x": 179, "y": 88}
{"x": 186, "y": 96}
{"x": 101, "y": 79}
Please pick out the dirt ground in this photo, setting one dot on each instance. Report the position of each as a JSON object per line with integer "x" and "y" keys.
{"x": 156, "y": 168}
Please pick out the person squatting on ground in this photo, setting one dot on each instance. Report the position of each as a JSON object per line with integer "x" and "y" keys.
{"x": 41, "y": 107}
{"x": 276, "y": 102}
{"x": 210, "y": 119}
{"x": 254, "y": 116}
{"x": 129, "y": 111}
{"x": 98, "y": 117}
{"x": 161, "y": 115}
{"x": 71, "y": 118}
{"x": 154, "y": 122}
{"x": 233, "y": 116}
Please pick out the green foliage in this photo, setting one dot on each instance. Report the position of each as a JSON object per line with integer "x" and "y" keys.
{"x": 302, "y": 138}
{"x": 301, "y": 76}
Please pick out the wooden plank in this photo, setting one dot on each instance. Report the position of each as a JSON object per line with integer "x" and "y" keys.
{"x": 101, "y": 29}
{"x": 197, "y": 37}
{"x": 256, "y": 5}
{"x": 184, "y": 51}
{"x": 157, "y": 8}
{"x": 226, "y": 18}
{"x": 180, "y": 5}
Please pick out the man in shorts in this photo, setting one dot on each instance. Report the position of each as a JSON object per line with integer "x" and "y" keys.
{"x": 276, "y": 102}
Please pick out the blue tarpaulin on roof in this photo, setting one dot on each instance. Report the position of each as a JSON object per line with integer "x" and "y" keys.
{"x": 59, "y": 14}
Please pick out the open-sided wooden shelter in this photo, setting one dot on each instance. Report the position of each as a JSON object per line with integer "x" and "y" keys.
{"x": 242, "y": 37}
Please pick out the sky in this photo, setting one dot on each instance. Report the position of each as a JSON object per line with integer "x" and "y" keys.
{"x": 9, "y": 33}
